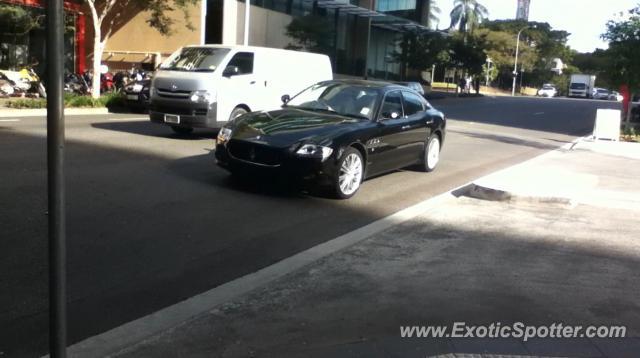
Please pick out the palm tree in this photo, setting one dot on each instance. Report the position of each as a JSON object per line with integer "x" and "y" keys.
{"x": 467, "y": 14}
{"x": 429, "y": 13}
{"x": 434, "y": 14}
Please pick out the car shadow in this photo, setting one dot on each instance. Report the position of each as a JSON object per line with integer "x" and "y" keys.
{"x": 204, "y": 170}
{"x": 154, "y": 130}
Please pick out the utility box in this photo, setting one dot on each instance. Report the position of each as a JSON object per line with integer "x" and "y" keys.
{"x": 607, "y": 124}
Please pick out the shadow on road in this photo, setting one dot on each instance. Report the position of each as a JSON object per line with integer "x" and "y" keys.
{"x": 154, "y": 130}
{"x": 561, "y": 116}
{"x": 144, "y": 232}
{"x": 506, "y": 139}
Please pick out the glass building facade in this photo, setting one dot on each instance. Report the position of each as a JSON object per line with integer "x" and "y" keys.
{"x": 365, "y": 33}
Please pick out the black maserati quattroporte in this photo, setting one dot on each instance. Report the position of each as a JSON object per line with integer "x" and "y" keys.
{"x": 336, "y": 133}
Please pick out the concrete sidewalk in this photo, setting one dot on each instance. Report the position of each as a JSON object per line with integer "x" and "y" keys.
{"x": 554, "y": 239}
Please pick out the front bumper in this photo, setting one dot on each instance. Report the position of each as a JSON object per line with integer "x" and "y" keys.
{"x": 192, "y": 115}
{"x": 281, "y": 163}
{"x": 138, "y": 100}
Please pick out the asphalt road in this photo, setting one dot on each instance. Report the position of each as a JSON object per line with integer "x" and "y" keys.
{"x": 152, "y": 220}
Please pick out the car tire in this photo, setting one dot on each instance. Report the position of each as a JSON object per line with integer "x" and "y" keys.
{"x": 431, "y": 154}
{"x": 182, "y": 130}
{"x": 349, "y": 174}
{"x": 237, "y": 112}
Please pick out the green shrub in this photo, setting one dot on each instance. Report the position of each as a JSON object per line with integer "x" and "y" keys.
{"x": 72, "y": 101}
{"x": 27, "y": 103}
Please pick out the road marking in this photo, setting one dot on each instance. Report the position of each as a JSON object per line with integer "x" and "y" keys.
{"x": 538, "y": 114}
{"x": 130, "y": 334}
{"x": 10, "y": 120}
{"x": 129, "y": 119}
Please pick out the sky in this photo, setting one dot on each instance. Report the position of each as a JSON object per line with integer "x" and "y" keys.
{"x": 584, "y": 19}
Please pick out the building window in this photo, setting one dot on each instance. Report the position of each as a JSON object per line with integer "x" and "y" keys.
{"x": 395, "y": 5}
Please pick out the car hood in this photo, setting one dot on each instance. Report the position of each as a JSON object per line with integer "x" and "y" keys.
{"x": 283, "y": 128}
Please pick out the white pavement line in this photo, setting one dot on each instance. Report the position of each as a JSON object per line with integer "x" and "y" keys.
{"x": 538, "y": 113}
{"x": 128, "y": 335}
{"x": 10, "y": 120}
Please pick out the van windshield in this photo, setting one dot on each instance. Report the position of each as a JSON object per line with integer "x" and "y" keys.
{"x": 578, "y": 86}
{"x": 195, "y": 59}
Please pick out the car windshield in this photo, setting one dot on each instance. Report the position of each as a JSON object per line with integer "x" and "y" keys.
{"x": 547, "y": 88}
{"x": 578, "y": 86}
{"x": 195, "y": 59}
{"x": 339, "y": 98}
{"x": 603, "y": 91}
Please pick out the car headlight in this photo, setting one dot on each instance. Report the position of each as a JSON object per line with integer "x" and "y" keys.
{"x": 314, "y": 151}
{"x": 224, "y": 135}
{"x": 202, "y": 97}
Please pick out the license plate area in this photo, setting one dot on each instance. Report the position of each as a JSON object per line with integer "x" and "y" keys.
{"x": 172, "y": 118}
{"x": 133, "y": 97}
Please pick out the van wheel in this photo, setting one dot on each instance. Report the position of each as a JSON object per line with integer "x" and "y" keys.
{"x": 182, "y": 130}
{"x": 237, "y": 112}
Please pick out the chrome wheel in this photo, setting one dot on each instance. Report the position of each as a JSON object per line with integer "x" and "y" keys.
{"x": 433, "y": 153}
{"x": 350, "y": 174}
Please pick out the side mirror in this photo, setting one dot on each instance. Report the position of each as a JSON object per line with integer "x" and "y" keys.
{"x": 285, "y": 98}
{"x": 230, "y": 71}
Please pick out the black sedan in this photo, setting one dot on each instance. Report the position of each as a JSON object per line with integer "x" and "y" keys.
{"x": 137, "y": 94}
{"x": 336, "y": 133}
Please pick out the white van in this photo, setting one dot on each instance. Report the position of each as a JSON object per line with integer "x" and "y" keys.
{"x": 206, "y": 86}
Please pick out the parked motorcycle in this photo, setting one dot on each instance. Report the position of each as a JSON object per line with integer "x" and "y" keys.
{"x": 22, "y": 83}
{"x": 106, "y": 82}
{"x": 76, "y": 84}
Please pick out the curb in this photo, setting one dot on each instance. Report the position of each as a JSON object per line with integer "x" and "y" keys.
{"x": 485, "y": 193}
{"x": 41, "y": 112}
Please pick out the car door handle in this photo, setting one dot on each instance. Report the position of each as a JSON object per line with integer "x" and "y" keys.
{"x": 430, "y": 121}
{"x": 252, "y": 82}
{"x": 406, "y": 127}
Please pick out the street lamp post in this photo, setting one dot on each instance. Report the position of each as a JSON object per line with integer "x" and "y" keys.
{"x": 515, "y": 66}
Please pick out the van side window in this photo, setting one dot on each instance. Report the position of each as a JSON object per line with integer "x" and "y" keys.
{"x": 244, "y": 62}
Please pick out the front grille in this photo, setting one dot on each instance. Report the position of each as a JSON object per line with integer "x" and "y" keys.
{"x": 164, "y": 92}
{"x": 254, "y": 153}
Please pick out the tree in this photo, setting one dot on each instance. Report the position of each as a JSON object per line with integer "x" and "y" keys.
{"x": 313, "y": 33}
{"x": 540, "y": 45}
{"x": 15, "y": 23}
{"x": 624, "y": 50}
{"x": 105, "y": 13}
{"x": 467, "y": 15}
{"x": 468, "y": 52}
{"x": 420, "y": 50}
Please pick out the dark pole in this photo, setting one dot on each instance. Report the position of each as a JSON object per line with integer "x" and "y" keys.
{"x": 55, "y": 163}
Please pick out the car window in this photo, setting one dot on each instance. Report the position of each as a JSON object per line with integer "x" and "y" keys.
{"x": 392, "y": 106}
{"x": 244, "y": 62}
{"x": 412, "y": 103}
